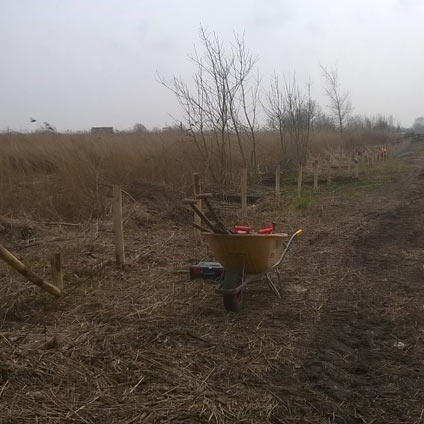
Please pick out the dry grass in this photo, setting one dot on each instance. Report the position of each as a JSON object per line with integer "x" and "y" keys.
{"x": 57, "y": 176}
{"x": 148, "y": 345}
{"x": 63, "y": 176}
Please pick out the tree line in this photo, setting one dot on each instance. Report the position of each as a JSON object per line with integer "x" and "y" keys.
{"x": 222, "y": 101}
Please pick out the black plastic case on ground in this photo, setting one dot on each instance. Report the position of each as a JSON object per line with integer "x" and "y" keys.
{"x": 206, "y": 270}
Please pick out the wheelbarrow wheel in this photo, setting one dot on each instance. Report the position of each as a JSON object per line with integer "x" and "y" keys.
{"x": 233, "y": 278}
{"x": 233, "y": 302}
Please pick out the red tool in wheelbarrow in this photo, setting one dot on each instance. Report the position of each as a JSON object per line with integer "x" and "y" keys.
{"x": 245, "y": 256}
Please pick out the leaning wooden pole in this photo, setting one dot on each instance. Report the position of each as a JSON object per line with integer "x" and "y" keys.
{"x": 118, "y": 226}
{"x": 18, "y": 266}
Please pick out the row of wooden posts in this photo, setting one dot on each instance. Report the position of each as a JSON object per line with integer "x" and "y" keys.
{"x": 369, "y": 158}
{"x": 55, "y": 288}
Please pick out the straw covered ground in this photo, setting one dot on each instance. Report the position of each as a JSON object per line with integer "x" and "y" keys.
{"x": 147, "y": 345}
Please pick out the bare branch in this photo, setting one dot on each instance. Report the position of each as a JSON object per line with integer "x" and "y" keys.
{"x": 340, "y": 104}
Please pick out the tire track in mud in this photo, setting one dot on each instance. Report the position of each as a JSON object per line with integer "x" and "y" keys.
{"x": 366, "y": 359}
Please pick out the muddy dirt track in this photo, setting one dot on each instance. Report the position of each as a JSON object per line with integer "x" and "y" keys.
{"x": 344, "y": 345}
{"x": 364, "y": 362}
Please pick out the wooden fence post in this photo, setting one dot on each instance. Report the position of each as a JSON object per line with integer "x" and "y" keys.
{"x": 329, "y": 172}
{"x": 118, "y": 226}
{"x": 315, "y": 167}
{"x": 277, "y": 186}
{"x": 197, "y": 219}
{"x": 299, "y": 180}
{"x": 57, "y": 271}
{"x": 243, "y": 181}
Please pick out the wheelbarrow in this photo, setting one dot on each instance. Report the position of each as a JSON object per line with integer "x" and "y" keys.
{"x": 246, "y": 258}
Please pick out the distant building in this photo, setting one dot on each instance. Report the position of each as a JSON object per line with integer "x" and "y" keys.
{"x": 102, "y": 130}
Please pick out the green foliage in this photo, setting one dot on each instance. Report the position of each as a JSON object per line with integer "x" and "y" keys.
{"x": 302, "y": 203}
{"x": 344, "y": 187}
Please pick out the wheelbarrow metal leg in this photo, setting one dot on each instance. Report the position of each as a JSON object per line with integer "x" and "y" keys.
{"x": 272, "y": 285}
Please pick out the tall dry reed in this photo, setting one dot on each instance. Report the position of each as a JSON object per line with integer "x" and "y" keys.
{"x": 66, "y": 176}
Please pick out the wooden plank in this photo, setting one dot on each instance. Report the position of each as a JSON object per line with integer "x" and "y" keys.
{"x": 118, "y": 226}
{"x": 18, "y": 266}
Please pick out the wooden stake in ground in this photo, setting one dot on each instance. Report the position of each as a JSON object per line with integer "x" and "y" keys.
{"x": 277, "y": 187}
{"x": 57, "y": 271}
{"x": 357, "y": 168}
{"x": 299, "y": 180}
{"x": 315, "y": 167}
{"x": 243, "y": 183}
{"x": 117, "y": 226}
{"x": 197, "y": 219}
{"x": 18, "y": 266}
{"x": 329, "y": 172}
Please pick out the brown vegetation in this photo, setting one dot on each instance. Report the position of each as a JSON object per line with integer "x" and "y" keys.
{"x": 147, "y": 345}
{"x": 66, "y": 176}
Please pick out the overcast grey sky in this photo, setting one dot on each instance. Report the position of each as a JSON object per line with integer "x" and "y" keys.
{"x": 82, "y": 63}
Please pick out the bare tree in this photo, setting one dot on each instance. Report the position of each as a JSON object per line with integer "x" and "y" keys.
{"x": 195, "y": 114}
{"x": 139, "y": 128}
{"x": 300, "y": 111}
{"x": 244, "y": 66}
{"x": 322, "y": 121}
{"x": 220, "y": 103}
{"x": 340, "y": 104}
{"x": 274, "y": 109}
{"x": 418, "y": 126}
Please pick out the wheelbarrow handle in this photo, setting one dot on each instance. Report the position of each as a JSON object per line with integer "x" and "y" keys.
{"x": 297, "y": 233}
